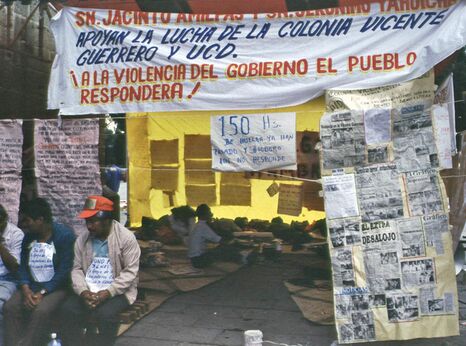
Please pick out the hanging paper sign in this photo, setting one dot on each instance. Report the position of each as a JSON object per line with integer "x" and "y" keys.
{"x": 441, "y": 122}
{"x": 273, "y": 189}
{"x": 253, "y": 142}
{"x": 99, "y": 275}
{"x": 290, "y": 199}
{"x": 41, "y": 262}
{"x": 445, "y": 96}
{"x": 125, "y": 61}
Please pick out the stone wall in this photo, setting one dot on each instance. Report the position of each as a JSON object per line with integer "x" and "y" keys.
{"x": 24, "y": 65}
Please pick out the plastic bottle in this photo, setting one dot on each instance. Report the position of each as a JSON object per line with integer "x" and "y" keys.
{"x": 54, "y": 341}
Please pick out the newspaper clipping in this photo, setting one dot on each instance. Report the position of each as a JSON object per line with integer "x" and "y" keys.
{"x": 343, "y": 143}
{"x": 381, "y": 248}
{"x": 401, "y": 308}
{"x": 353, "y": 306}
{"x": 434, "y": 228}
{"x": 345, "y": 232}
{"x": 379, "y": 192}
{"x": 417, "y": 273}
{"x": 340, "y": 196}
{"x": 378, "y": 154}
{"x": 412, "y": 237}
{"x": 342, "y": 265}
{"x": 424, "y": 196}
{"x": 431, "y": 305}
{"x": 413, "y": 138}
{"x": 377, "y": 125}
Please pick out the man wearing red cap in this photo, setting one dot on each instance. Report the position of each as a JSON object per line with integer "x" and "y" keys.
{"x": 104, "y": 275}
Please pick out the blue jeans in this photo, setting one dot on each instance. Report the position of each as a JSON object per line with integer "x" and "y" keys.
{"x": 7, "y": 288}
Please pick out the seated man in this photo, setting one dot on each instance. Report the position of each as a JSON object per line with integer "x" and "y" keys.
{"x": 46, "y": 261}
{"x": 11, "y": 238}
{"x": 182, "y": 222}
{"x": 198, "y": 238}
{"x": 104, "y": 275}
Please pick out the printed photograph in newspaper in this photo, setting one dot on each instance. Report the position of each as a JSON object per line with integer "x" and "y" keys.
{"x": 344, "y": 231}
{"x": 412, "y": 237}
{"x": 413, "y": 138}
{"x": 342, "y": 137}
{"x": 342, "y": 265}
{"x": 434, "y": 227}
{"x": 418, "y": 272}
{"x": 424, "y": 196}
{"x": 402, "y": 308}
{"x": 379, "y": 192}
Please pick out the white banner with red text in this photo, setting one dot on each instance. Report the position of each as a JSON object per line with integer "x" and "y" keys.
{"x": 123, "y": 61}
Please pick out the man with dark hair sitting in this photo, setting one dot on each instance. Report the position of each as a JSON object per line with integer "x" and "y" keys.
{"x": 104, "y": 275}
{"x": 46, "y": 261}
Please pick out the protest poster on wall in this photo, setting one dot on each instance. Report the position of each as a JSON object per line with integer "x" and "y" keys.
{"x": 67, "y": 166}
{"x": 253, "y": 142}
{"x": 11, "y": 149}
{"x": 125, "y": 61}
{"x": 392, "y": 258}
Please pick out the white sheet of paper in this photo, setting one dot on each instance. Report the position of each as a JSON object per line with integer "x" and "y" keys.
{"x": 340, "y": 196}
{"x": 441, "y": 119}
{"x": 41, "y": 262}
{"x": 253, "y": 142}
{"x": 99, "y": 275}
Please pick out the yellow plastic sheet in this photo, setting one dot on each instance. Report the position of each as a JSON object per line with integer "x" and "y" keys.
{"x": 230, "y": 195}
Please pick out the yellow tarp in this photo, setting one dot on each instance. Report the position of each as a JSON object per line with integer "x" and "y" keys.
{"x": 161, "y": 177}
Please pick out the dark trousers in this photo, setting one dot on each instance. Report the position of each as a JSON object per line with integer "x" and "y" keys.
{"x": 75, "y": 316}
{"x": 223, "y": 252}
{"x": 25, "y": 327}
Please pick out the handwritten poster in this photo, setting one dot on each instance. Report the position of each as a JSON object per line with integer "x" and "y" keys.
{"x": 290, "y": 199}
{"x": 11, "y": 149}
{"x": 99, "y": 275}
{"x": 253, "y": 142}
{"x": 41, "y": 261}
{"x": 123, "y": 61}
{"x": 67, "y": 166}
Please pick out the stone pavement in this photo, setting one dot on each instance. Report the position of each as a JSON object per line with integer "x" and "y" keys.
{"x": 252, "y": 298}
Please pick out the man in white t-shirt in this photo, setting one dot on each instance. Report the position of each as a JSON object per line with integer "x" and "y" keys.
{"x": 200, "y": 236}
{"x": 11, "y": 238}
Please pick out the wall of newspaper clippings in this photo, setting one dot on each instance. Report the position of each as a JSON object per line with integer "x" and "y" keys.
{"x": 387, "y": 215}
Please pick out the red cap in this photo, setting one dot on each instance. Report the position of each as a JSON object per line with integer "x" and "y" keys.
{"x": 94, "y": 204}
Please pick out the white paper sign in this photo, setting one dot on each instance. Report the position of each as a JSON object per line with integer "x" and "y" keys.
{"x": 253, "y": 142}
{"x": 99, "y": 275}
{"x": 441, "y": 119}
{"x": 119, "y": 61}
{"x": 340, "y": 196}
{"x": 41, "y": 262}
{"x": 445, "y": 95}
